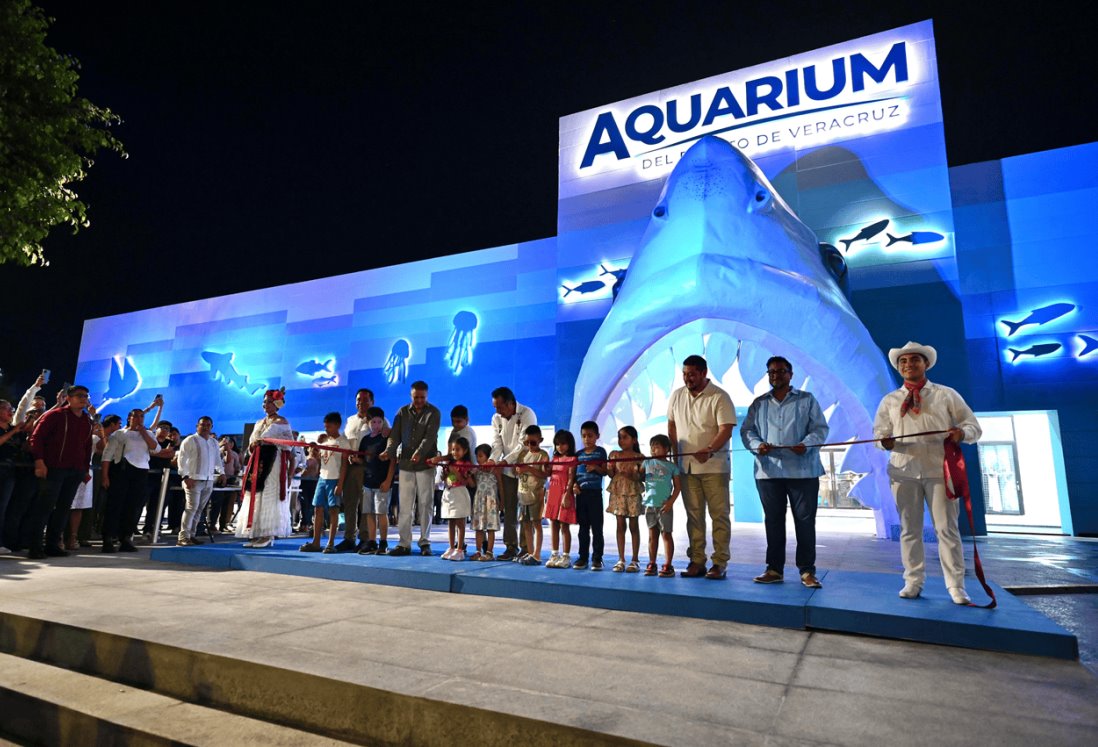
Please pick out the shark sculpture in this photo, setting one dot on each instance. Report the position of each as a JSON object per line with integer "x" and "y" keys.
{"x": 221, "y": 367}
{"x": 726, "y": 270}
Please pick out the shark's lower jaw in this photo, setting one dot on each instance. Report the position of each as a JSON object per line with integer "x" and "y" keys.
{"x": 736, "y": 354}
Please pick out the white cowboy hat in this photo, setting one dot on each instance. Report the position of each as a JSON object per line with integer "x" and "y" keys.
{"x": 926, "y": 351}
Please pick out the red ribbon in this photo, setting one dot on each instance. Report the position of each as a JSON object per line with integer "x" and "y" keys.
{"x": 956, "y": 485}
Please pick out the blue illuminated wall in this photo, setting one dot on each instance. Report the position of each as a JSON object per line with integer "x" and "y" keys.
{"x": 465, "y": 324}
{"x": 1026, "y": 252}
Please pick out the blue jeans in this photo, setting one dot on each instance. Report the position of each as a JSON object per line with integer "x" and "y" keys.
{"x": 590, "y": 516}
{"x": 803, "y": 495}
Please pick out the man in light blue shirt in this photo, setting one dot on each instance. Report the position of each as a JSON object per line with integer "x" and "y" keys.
{"x": 782, "y": 427}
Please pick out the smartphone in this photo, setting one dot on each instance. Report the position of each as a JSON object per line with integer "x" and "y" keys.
{"x": 45, "y": 376}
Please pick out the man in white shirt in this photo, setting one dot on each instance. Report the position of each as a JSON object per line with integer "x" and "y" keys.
{"x": 31, "y": 400}
{"x": 700, "y": 418}
{"x": 199, "y": 466}
{"x": 509, "y": 425}
{"x": 915, "y": 467}
{"x": 124, "y": 472}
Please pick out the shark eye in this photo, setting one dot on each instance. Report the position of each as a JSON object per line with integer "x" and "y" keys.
{"x": 660, "y": 211}
{"x": 762, "y": 197}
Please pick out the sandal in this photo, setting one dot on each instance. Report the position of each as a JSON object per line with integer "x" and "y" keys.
{"x": 309, "y": 547}
{"x": 619, "y": 566}
{"x": 650, "y": 569}
{"x": 668, "y": 571}
{"x": 633, "y": 567}
{"x": 477, "y": 556}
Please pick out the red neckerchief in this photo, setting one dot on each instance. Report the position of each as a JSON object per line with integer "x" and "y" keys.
{"x": 913, "y": 402}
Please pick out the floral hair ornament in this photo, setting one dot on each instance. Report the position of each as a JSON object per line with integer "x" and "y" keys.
{"x": 278, "y": 397}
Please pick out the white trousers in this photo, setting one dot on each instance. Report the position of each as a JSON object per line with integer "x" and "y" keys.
{"x": 911, "y": 496}
{"x": 417, "y": 494}
{"x": 197, "y": 498}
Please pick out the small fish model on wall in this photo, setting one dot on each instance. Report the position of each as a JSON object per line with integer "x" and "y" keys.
{"x": 589, "y": 286}
{"x": 1036, "y": 351}
{"x": 1039, "y": 317}
{"x": 321, "y": 373}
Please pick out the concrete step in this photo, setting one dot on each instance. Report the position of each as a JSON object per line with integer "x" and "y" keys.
{"x": 44, "y": 704}
{"x": 260, "y": 692}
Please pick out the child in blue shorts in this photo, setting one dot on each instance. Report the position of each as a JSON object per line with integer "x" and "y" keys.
{"x": 329, "y": 488}
{"x": 662, "y": 486}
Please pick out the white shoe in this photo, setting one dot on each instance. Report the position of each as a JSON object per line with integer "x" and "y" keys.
{"x": 552, "y": 562}
{"x": 959, "y": 596}
{"x": 262, "y": 544}
{"x": 4, "y": 550}
{"x": 458, "y": 555}
{"x": 910, "y": 591}
{"x": 249, "y": 543}
{"x": 564, "y": 561}
{"x": 449, "y": 553}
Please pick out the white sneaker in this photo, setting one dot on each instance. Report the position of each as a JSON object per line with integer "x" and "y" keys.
{"x": 552, "y": 562}
{"x": 959, "y": 595}
{"x": 458, "y": 554}
{"x": 564, "y": 561}
{"x": 449, "y": 552}
{"x": 910, "y": 591}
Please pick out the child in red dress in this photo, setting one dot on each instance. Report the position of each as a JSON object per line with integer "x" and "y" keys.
{"x": 560, "y": 508}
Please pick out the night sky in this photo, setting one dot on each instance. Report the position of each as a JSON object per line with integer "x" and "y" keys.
{"x": 281, "y": 142}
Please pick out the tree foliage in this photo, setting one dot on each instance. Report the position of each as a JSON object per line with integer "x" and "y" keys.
{"x": 48, "y": 135}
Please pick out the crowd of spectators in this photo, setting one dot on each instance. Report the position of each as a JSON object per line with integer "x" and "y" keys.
{"x": 100, "y": 478}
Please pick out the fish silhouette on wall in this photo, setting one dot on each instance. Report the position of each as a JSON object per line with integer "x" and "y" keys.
{"x": 725, "y": 269}
{"x": 221, "y": 366}
{"x": 584, "y": 288}
{"x": 619, "y": 276}
{"x": 1040, "y": 316}
{"x": 123, "y": 381}
{"x": 1037, "y": 351}
{"x": 865, "y": 234}
{"x": 915, "y": 238}
{"x": 1089, "y": 345}
{"x": 314, "y": 367}
{"x": 321, "y": 382}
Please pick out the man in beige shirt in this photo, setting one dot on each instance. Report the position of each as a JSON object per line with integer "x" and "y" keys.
{"x": 700, "y": 418}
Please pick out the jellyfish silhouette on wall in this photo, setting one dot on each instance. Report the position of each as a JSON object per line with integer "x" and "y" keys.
{"x": 396, "y": 365}
{"x": 459, "y": 350}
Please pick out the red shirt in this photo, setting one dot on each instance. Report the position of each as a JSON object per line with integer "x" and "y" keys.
{"x": 63, "y": 439}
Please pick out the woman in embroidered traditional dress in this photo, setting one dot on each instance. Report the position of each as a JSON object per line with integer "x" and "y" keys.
{"x": 265, "y": 510}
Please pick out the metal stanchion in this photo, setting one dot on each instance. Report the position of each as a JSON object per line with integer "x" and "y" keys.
{"x": 166, "y": 476}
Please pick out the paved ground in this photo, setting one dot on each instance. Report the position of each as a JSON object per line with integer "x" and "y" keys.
{"x": 662, "y": 679}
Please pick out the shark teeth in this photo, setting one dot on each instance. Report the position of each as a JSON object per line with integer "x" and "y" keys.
{"x": 735, "y": 361}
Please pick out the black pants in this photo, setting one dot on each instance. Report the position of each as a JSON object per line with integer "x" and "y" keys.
{"x": 305, "y": 499}
{"x": 17, "y": 519}
{"x": 590, "y": 517}
{"x": 50, "y": 509}
{"x": 125, "y": 499}
{"x": 803, "y": 497}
